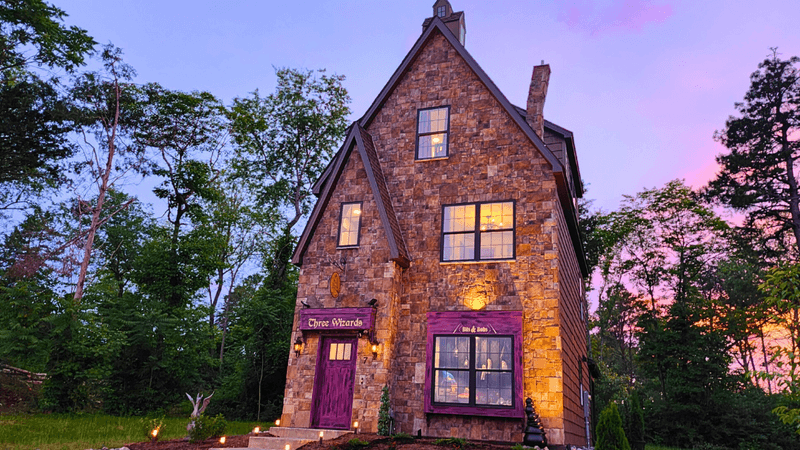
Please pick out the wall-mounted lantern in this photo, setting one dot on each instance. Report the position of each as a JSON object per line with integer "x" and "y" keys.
{"x": 298, "y": 346}
{"x": 375, "y": 347}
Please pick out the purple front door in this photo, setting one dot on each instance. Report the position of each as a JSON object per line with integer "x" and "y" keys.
{"x": 332, "y": 403}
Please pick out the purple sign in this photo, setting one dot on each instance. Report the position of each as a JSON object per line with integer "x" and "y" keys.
{"x": 336, "y": 319}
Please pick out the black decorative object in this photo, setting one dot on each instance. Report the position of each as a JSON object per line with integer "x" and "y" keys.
{"x": 534, "y": 433}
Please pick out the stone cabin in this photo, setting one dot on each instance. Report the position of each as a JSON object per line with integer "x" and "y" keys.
{"x": 443, "y": 260}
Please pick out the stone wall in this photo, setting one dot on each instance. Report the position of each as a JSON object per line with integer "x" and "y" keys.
{"x": 368, "y": 273}
{"x": 490, "y": 159}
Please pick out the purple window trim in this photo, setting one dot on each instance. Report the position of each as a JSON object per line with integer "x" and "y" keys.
{"x": 497, "y": 323}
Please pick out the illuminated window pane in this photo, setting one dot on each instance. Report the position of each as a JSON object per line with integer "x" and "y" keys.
{"x": 459, "y": 218}
{"x": 350, "y": 224}
{"x": 348, "y": 348}
{"x": 497, "y": 245}
{"x": 459, "y": 247}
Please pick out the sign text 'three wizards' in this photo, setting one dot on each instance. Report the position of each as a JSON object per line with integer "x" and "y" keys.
{"x": 336, "y": 319}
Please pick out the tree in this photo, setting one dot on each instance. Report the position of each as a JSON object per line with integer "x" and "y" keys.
{"x": 284, "y": 140}
{"x": 759, "y": 175}
{"x": 32, "y": 32}
{"x": 610, "y": 435}
{"x": 110, "y": 105}
{"x": 34, "y": 116}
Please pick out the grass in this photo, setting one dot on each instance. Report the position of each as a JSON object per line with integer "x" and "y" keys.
{"x": 658, "y": 447}
{"x": 79, "y": 432}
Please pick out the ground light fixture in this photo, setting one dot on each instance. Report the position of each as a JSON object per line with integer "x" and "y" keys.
{"x": 256, "y": 430}
{"x": 298, "y": 345}
{"x": 222, "y": 440}
{"x": 320, "y": 436}
{"x": 277, "y": 422}
{"x": 355, "y": 425}
{"x": 288, "y": 447}
{"x": 154, "y": 434}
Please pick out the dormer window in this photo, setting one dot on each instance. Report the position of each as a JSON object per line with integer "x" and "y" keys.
{"x": 433, "y": 125}
{"x": 441, "y": 11}
{"x": 349, "y": 224}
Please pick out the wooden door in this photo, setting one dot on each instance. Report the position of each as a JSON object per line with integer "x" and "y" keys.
{"x": 332, "y": 400}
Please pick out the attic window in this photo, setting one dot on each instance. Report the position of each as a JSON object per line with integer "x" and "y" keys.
{"x": 441, "y": 11}
{"x": 349, "y": 224}
{"x": 433, "y": 125}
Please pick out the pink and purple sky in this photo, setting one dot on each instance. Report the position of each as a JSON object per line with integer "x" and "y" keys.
{"x": 642, "y": 84}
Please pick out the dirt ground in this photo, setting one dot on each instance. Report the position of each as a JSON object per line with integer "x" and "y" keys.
{"x": 341, "y": 443}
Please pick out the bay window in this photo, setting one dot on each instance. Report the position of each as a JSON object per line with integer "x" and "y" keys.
{"x": 474, "y": 363}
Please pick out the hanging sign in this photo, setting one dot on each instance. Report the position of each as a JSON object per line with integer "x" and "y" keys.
{"x": 336, "y": 319}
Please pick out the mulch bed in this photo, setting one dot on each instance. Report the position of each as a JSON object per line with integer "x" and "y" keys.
{"x": 340, "y": 443}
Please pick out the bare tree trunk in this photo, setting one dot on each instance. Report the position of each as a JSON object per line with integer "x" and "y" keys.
{"x": 101, "y": 197}
{"x": 766, "y": 358}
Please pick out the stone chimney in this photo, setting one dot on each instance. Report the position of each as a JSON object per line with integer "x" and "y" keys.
{"x": 536, "y": 95}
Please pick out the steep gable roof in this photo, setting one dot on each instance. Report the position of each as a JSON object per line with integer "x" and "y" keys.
{"x": 437, "y": 25}
{"x": 359, "y": 138}
{"x": 326, "y": 180}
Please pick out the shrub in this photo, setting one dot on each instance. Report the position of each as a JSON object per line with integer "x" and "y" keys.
{"x": 206, "y": 427}
{"x": 384, "y": 419}
{"x": 356, "y": 443}
{"x": 403, "y": 437}
{"x": 456, "y": 443}
{"x": 634, "y": 422}
{"x": 610, "y": 435}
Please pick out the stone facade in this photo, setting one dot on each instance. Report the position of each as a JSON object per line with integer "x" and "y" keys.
{"x": 490, "y": 159}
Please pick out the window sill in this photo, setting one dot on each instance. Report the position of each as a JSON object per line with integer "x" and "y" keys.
{"x": 483, "y": 261}
{"x": 514, "y": 412}
{"x": 440, "y": 158}
{"x": 348, "y": 247}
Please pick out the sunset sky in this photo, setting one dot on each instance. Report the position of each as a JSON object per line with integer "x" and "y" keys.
{"x": 642, "y": 84}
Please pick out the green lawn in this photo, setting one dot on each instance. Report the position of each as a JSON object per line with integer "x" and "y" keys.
{"x": 658, "y": 447}
{"x": 79, "y": 432}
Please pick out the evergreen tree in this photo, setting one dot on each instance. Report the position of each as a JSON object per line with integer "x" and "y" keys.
{"x": 759, "y": 175}
{"x": 610, "y": 435}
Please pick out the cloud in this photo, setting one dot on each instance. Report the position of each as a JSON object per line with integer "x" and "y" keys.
{"x": 614, "y": 16}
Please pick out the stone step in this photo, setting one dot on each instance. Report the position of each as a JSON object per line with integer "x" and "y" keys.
{"x": 277, "y": 443}
{"x": 306, "y": 433}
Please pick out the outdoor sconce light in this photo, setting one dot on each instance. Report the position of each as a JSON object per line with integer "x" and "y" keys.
{"x": 298, "y": 345}
{"x": 375, "y": 347}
